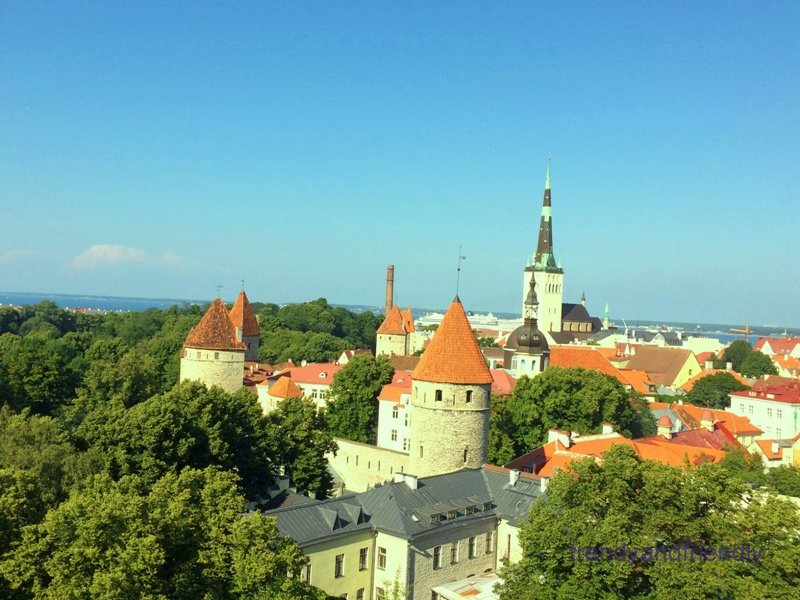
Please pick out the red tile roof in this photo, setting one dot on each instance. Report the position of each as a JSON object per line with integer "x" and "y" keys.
{"x": 502, "y": 382}
{"x": 314, "y": 373}
{"x": 778, "y": 345}
{"x": 215, "y": 331}
{"x": 284, "y": 388}
{"x": 408, "y": 320}
{"x": 691, "y": 415}
{"x": 453, "y": 355}
{"x": 788, "y": 393}
{"x": 687, "y": 387}
{"x": 585, "y": 357}
{"x": 664, "y": 421}
{"x": 242, "y": 316}
{"x": 393, "y": 324}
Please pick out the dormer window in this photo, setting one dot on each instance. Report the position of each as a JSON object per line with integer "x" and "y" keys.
{"x": 435, "y": 519}
{"x": 452, "y": 514}
{"x": 487, "y": 506}
{"x": 469, "y": 510}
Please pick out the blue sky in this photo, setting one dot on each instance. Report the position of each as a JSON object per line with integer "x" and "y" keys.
{"x": 159, "y": 149}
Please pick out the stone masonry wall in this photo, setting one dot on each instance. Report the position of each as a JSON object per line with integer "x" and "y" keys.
{"x": 441, "y": 431}
{"x": 223, "y": 369}
{"x": 360, "y": 467}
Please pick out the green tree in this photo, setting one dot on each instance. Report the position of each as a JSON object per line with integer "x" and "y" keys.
{"x": 501, "y": 447}
{"x": 713, "y": 390}
{"x": 735, "y": 353}
{"x": 186, "y": 537}
{"x": 757, "y": 364}
{"x": 302, "y": 440}
{"x": 353, "y": 403}
{"x": 487, "y": 342}
{"x": 573, "y": 399}
{"x": 625, "y": 501}
{"x": 784, "y": 480}
{"x": 189, "y": 426}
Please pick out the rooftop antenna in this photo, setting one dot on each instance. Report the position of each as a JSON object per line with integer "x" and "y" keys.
{"x": 219, "y": 287}
{"x": 458, "y": 271}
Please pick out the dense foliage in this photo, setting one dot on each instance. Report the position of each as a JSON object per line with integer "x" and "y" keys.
{"x": 118, "y": 482}
{"x": 745, "y": 360}
{"x": 353, "y": 406}
{"x": 712, "y": 390}
{"x": 625, "y": 501}
{"x": 572, "y": 399}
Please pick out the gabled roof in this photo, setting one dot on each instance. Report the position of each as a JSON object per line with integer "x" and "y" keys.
{"x": 575, "y": 313}
{"x": 400, "y": 384}
{"x": 788, "y": 393}
{"x": 314, "y": 373}
{"x": 690, "y": 417}
{"x": 215, "y": 331}
{"x": 242, "y": 316}
{"x": 687, "y": 387}
{"x": 393, "y": 324}
{"x": 284, "y": 388}
{"x": 661, "y": 364}
{"x": 502, "y": 382}
{"x": 778, "y": 345}
{"x": 453, "y": 355}
{"x": 404, "y": 363}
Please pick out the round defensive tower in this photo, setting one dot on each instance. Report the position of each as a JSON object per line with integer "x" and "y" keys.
{"x": 450, "y": 398}
{"x": 212, "y": 354}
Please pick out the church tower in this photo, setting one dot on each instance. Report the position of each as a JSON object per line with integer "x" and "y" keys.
{"x": 544, "y": 269}
{"x": 246, "y": 324}
{"x": 212, "y": 354}
{"x": 526, "y": 351}
{"x": 450, "y": 395}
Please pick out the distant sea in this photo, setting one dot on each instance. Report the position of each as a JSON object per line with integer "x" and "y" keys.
{"x": 720, "y": 331}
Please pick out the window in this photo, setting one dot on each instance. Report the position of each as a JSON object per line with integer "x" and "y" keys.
{"x": 395, "y": 412}
{"x": 438, "y": 396}
{"x": 421, "y": 451}
{"x": 780, "y": 413}
{"x": 381, "y": 558}
{"x": 508, "y": 547}
{"x": 307, "y": 574}
{"x": 741, "y": 407}
{"x": 216, "y": 355}
{"x": 490, "y": 542}
{"x": 750, "y": 409}
{"x": 434, "y": 595}
{"x": 454, "y": 553}
{"x": 405, "y": 444}
{"x": 379, "y": 595}
{"x": 362, "y": 559}
{"x": 465, "y": 455}
{"x": 769, "y": 412}
{"x": 469, "y": 396}
{"x": 344, "y": 595}
{"x": 406, "y": 420}
{"x": 778, "y": 432}
{"x": 452, "y": 514}
{"x": 394, "y": 435}
{"x": 471, "y": 547}
{"x": 339, "y": 568}
{"x": 437, "y": 557}
{"x": 360, "y": 594}
{"x": 469, "y": 510}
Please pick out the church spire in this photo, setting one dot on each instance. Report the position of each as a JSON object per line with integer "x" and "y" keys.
{"x": 544, "y": 259}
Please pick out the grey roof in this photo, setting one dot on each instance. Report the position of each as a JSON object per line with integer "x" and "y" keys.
{"x": 575, "y": 313}
{"x": 398, "y": 509}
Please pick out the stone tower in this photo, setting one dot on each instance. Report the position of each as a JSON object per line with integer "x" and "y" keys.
{"x": 526, "y": 351}
{"x": 212, "y": 354}
{"x": 450, "y": 395}
{"x": 394, "y": 334}
{"x": 549, "y": 276}
{"x": 246, "y": 324}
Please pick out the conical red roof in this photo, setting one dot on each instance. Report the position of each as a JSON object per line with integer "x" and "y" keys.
{"x": 285, "y": 388}
{"x": 453, "y": 355}
{"x": 393, "y": 323}
{"x": 215, "y": 331}
{"x": 242, "y": 316}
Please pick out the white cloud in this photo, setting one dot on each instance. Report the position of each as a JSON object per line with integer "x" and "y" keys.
{"x": 111, "y": 254}
{"x": 14, "y": 256}
{"x": 116, "y": 254}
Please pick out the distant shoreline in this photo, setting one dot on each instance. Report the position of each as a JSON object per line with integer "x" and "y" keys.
{"x": 126, "y": 303}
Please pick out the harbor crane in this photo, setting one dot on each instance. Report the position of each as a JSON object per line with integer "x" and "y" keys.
{"x": 745, "y": 332}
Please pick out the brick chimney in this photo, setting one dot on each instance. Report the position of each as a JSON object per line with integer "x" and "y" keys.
{"x": 665, "y": 426}
{"x": 389, "y": 289}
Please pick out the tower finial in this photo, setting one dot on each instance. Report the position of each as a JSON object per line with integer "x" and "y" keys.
{"x": 219, "y": 287}
{"x": 458, "y": 271}
{"x": 242, "y": 283}
{"x": 547, "y": 179}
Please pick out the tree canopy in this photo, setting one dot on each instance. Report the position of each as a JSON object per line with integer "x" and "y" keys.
{"x": 353, "y": 397}
{"x": 712, "y": 390}
{"x": 757, "y": 364}
{"x": 574, "y": 399}
{"x": 643, "y": 506}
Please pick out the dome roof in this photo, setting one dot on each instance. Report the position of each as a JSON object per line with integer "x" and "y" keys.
{"x": 527, "y": 339}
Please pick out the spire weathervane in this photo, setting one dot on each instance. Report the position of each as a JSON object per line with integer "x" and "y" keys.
{"x": 458, "y": 271}
{"x": 219, "y": 287}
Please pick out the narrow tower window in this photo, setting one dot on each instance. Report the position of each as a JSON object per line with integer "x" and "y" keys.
{"x": 469, "y": 396}
{"x": 421, "y": 453}
{"x": 465, "y": 454}
{"x": 438, "y": 396}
